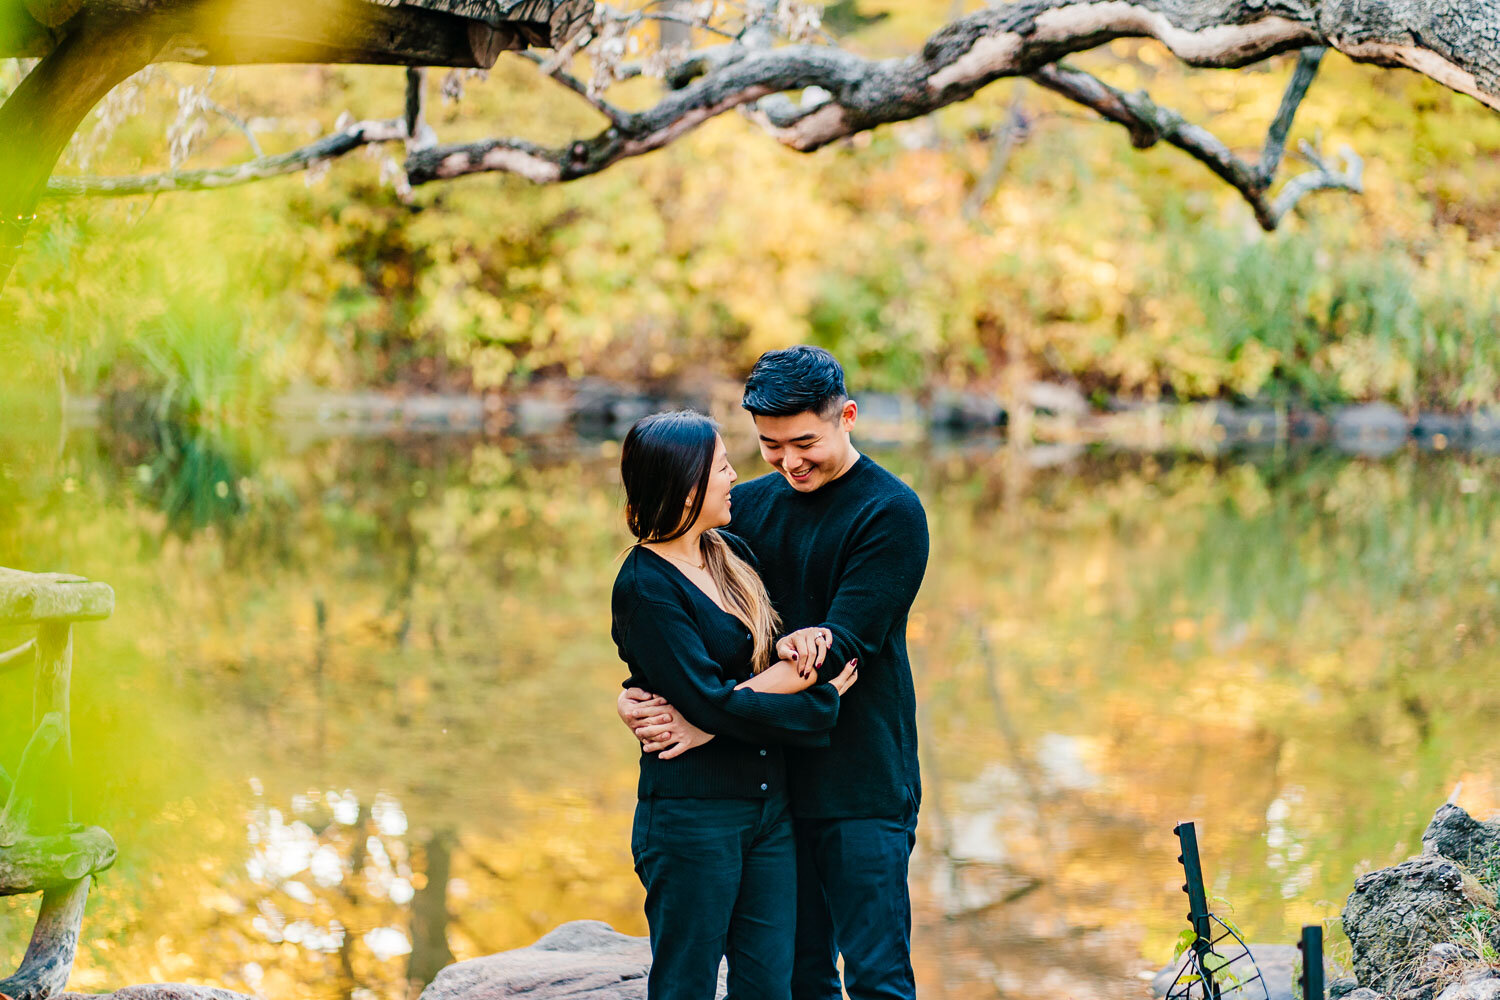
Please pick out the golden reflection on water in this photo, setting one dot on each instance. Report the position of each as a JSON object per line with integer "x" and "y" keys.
{"x": 353, "y": 717}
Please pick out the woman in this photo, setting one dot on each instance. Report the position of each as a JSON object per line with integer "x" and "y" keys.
{"x": 712, "y": 840}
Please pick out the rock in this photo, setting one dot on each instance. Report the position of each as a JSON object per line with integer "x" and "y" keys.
{"x": 159, "y": 991}
{"x": 1398, "y": 913}
{"x": 1457, "y": 836}
{"x": 1247, "y": 426}
{"x": 539, "y": 415}
{"x": 585, "y": 958}
{"x": 1371, "y": 429}
{"x": 885, "y": 416}
{"x": 1484, "y": 425}
{"x": 1476, "y": 984}
{"x": 1443, "y": 964}
{"x": 1055, "y": 398}
{"x": 1305, "y": 425}
{"x": 1364, "y": 993}
{"x": 964, "y": 410}
{"x": 1440, "y": 430}
{"x": 1342, "y": 987}
{"x": 1277, "y": 962}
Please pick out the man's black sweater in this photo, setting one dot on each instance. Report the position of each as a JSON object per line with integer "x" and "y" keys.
{"x": 679, "y": 644}
{"x": 848, "y": 556}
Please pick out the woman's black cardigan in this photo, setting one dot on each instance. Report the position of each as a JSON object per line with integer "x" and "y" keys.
{"x": 681, "y": 645}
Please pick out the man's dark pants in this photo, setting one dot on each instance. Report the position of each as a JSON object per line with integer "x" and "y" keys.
{"x": 718, "y": 874}
{"x": 852, "y": 898}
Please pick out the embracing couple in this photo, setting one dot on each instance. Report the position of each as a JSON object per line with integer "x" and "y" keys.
{"x": 770, "y": 688}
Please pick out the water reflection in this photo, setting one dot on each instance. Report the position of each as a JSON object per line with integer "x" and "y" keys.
{"x": 357, "y": 723}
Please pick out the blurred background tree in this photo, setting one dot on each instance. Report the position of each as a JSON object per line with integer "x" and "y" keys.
{"x": 994, "y": 231}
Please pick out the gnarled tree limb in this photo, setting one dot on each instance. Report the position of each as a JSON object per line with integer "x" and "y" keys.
{"x": 1458, "y": 45}
{"x": 54, "y": 941}
{"x": 1016, "y": 39}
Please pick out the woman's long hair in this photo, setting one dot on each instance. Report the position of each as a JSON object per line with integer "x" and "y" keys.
{"x": 665, "y": 464}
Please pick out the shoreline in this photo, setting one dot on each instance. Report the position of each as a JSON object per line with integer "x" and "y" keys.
{"x": 1050, "y": 415}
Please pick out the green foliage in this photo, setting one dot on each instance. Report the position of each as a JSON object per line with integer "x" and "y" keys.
{"x": 1136, "y": 273}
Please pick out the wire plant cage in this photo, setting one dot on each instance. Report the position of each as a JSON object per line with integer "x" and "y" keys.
{"x": 1216, "y": 961}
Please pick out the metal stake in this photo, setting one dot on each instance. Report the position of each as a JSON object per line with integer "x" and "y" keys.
{"x": 1198, "y": 916}
{"x": 1311, "y": 947}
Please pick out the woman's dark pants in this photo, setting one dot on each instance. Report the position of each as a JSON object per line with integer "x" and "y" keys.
{"x": 721, "y": 880}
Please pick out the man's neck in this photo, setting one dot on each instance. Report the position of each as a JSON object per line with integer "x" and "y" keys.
{"x": 849, "y": 462}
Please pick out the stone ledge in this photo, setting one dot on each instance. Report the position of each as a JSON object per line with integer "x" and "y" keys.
{"x": 582, "y": 959}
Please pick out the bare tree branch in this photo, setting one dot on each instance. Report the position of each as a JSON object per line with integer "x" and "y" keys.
{"x": 1322, "y": 177}
{"x": 577, "y": 86}
{"x": 305, "y": 157}
{"x": 1005, "y": 143}
{"x": 419, "y": 134}
{"x": 1150, "y": 123}
{"x": 235, "y": 120}
{"x": 1296, "y": 89}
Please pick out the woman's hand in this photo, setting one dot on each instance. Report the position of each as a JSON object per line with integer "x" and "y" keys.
{"x": 671, "y": 738}
{"x": 805, "y": 648}
{"x": 846, "y": 678}
{"x": 781, "y": 677}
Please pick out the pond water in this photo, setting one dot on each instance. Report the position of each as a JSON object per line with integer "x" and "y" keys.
{"x": 353, "y": 717}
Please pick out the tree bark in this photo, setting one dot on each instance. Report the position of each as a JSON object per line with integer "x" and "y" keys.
{"x": 44, "y": 111}
{"x": 31, "y": 598}
{"x": 37, "y": 864}
{"x": 50, "y": 699}
{"x": 54, "y": 942}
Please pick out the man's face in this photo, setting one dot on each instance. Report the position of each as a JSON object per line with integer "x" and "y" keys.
{"x": 807, "y": 449}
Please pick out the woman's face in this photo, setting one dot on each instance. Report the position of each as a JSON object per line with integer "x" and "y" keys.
{"x": 721, "y": 477}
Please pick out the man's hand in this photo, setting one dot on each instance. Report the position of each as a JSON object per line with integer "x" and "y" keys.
{"x": 659, "y": 727}
{"x": 805, "y": 647}
{"x": 639, "y": 708}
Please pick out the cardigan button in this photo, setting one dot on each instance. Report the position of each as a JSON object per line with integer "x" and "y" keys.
{"x": 762, "y": 753}
{"x": 764, "y": 786}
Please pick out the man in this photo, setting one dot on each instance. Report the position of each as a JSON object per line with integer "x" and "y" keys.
{"x": 842, "y": 544}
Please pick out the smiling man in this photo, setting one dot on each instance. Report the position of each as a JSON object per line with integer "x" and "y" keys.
{"x": 842, "y": 544}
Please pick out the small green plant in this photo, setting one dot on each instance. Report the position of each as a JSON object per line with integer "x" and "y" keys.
{"x": 1479, "y": 925}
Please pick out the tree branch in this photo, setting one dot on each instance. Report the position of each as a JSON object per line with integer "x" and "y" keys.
{"x": 1450, "y": 43}
{"x": 615, "y": 115}
{"x": 303, "y": 158}
{"x": 1150, "y": 123}
{"x": 1296, "y": 89}
{"x": 1321, "y": 178}
{"x": 419, "y": 134}
{"x": 1005, "y": 143}
{"x": 22, "y": 656}
{"x": 235, "y": 120}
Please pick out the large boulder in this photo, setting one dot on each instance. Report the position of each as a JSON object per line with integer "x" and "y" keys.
{"x": 1457, "y": 836}
{"x": 1395, "y": 916}
{"x": 585, "y": 958}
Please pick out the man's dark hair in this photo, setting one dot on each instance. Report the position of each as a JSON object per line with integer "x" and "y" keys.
{"x": 795, "y": 380}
